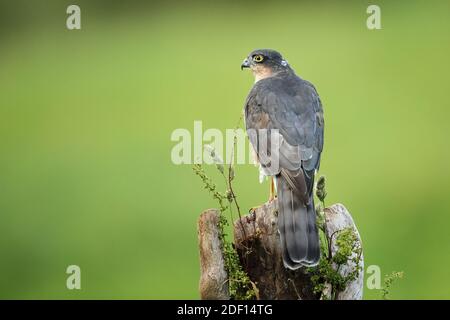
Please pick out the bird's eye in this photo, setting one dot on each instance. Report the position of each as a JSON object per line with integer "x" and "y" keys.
{"x": 258, "y": 58}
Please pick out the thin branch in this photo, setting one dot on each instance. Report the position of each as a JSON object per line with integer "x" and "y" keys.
{"x": 230, "y": 178}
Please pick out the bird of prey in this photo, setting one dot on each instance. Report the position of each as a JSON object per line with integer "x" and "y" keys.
{"x": 288, "y": 108}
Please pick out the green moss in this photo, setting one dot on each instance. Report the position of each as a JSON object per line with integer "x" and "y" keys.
{"x": 327, "y": 272}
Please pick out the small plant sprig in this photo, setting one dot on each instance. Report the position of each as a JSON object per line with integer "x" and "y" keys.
{"x": 321, "y": 193}
{"x": 211, "y": 187}
{"x": 240, "y": 285}
{"x": 388, "y": 281}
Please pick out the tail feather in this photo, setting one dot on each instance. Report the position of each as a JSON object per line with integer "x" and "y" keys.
{"x": 297, "y": 226}
{"x": 313, "y": 235}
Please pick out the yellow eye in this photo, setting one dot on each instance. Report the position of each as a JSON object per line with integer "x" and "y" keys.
{"x": 258, "y": 58}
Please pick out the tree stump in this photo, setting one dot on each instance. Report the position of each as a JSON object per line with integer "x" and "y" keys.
{"x": 257, "y": 242}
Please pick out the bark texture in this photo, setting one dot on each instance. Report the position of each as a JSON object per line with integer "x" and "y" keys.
{"x": 213, "y": 280}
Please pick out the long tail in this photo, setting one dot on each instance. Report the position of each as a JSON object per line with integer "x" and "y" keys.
{"x": 297, "y": 226}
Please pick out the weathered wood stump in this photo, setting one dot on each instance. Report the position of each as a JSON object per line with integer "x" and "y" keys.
{"x": 258, "y": 245}
{"x": 213, "y": 280}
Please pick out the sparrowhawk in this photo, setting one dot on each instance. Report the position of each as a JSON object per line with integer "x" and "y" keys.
{"x": 288, "y": 108}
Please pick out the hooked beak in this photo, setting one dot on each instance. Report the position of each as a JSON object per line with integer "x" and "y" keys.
{"x": 245, "y": 64}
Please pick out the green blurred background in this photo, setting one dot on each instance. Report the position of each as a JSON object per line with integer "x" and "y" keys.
{"x": 86, "y": 118}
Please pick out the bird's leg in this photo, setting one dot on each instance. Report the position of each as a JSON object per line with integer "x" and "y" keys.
{"x": 271, "y": 190}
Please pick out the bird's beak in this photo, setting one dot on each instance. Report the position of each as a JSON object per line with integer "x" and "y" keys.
{"x": 245, "y": 64}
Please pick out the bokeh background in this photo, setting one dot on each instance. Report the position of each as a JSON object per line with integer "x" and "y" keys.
{"x": 86, "y": 117}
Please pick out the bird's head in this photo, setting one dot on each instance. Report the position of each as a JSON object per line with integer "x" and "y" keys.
{"x": 265, "y": 63}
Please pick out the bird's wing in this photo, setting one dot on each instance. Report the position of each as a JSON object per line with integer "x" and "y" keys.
{"x": 293, "y": 107}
